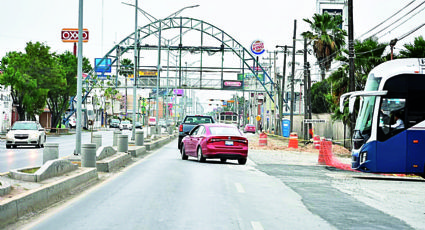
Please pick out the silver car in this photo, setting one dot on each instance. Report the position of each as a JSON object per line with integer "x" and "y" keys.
{"x": 26, "y": 133}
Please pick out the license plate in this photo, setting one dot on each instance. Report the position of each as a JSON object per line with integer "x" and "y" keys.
{"x": 228, "y": 142}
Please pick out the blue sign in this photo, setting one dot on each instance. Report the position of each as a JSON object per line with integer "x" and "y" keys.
{"x": 102, "y": 65}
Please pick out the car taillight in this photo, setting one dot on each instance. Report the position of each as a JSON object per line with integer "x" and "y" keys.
{"x": 213, "y": 140}
{"x": 181, "y": 128}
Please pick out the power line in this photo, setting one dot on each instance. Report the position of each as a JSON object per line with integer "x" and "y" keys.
{"x": 410, "y": 32}
{"x": 386, "y": 19}
{"x": 398, "y": 19}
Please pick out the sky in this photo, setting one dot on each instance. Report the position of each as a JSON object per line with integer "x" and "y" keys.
{"x": 109, "y": 21}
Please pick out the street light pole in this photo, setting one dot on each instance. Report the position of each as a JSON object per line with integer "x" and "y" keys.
{"x": 136, "y": 72}
{"x": 79, "y": 78}
{"x": 293, "y": 76}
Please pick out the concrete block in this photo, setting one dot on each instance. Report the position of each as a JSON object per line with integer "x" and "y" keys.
{"x": 54, "y": 168}
{"x": 112, "y": 163}
{"x": 4, "y": 187}
{"x": 104, "y": 152}
{"x": 136, "y": 151}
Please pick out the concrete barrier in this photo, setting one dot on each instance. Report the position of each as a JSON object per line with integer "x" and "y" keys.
{"x": 88, "y": 155}
{"x": 115, "y": 137}
{"x": 4, "y": 187}
{"x": 50, "y": 169}
{"x": 113, "y": 162}
{"x": 139, "y": 138}
{"x": 44, "y": 196}
{"x": 104, "y": 152}
{"x": 122, "y": 143}
{"x": 97, "y": 139}
{"x": 50, "y": 152}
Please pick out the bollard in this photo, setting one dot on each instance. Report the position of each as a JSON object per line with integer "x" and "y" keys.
{"x": 316, "y": 141}
{"x": 97, "y": 139}
{"x": 50, "y": 152}
{"x": 115, "y": 138}
{"x": 139, "y": 138}
{"x": 122, "y": 143}
{"x": 88, "y": 155}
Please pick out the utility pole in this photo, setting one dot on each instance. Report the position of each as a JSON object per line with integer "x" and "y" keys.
{"x": 351, "y": 55}
{"x": 293, "y": 76}
{"x": 305, "y": 90}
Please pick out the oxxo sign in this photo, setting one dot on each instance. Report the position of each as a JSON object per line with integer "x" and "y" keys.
{"x": 71, "y": 35}
{"x": 257, "y": 47}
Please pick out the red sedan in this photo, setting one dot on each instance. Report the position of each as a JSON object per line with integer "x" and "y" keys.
{"x": 249, "y": 128}
{"x": 215, "y": 141}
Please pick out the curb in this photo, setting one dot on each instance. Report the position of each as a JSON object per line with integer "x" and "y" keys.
{"x": 12, "y": 210}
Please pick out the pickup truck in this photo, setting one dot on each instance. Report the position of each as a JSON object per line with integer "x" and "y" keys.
{"x": 190, "y": 122}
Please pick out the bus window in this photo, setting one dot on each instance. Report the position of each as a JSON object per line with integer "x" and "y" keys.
{"x": 390, "y": 111}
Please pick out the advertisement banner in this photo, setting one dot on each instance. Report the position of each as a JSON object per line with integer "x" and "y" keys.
{"x": 102, "y": 65}
{"x": 232, "y": 85}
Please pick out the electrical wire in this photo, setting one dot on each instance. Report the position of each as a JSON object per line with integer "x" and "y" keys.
{"x": 403, "y": 22}
{"x": 386, "y": 19}
{"x": 410, "y": 32}
{"x": 398, "y": 19}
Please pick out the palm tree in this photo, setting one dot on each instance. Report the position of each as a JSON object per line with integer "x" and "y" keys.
{"x": 326, "y": 37}
{"x": 415, "y": 50}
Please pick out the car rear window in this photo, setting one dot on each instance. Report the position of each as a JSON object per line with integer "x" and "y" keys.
{"x": 198, "y": 120}
{"x": 224, "y": 131}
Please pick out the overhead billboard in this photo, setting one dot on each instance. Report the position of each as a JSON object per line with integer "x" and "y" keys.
{"x": 232, "y": 84}
{"x": 102, "y": 65}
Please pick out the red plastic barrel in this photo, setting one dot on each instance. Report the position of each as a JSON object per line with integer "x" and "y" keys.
{"x": 316, "y": 141}
{"x": 263, "y": 139}
{"x": 293, "y": 141}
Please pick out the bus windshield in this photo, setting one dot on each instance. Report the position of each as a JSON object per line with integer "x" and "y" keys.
{"x": 372, "y": 83}
{"x": 364, "y": 121}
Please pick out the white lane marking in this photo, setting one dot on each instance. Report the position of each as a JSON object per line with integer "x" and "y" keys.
{"x": 257, "y": 225}
{"x": 239, "y": 188}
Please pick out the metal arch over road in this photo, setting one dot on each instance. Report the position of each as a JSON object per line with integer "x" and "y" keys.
{"x": 228, "y": 44}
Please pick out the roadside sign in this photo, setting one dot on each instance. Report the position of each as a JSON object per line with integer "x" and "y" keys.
{"x": 258, "y": 118}
{"x": 257, "y": 47}
{"x": 71, "y": 35}
{"x": 306, "y": 121}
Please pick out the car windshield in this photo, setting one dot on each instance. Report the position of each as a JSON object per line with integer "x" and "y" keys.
{"x": 224, "y": 131}
{"x": 115, "y": 121}
{"x": 198, "y": 120}
{"x": 125, "y": 122}
{"x": 24, "y": 126}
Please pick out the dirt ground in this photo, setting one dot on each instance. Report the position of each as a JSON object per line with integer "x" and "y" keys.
{"x": 280, "y": 143}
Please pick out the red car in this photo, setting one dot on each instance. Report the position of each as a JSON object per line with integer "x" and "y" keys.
{"x": 249, "y": 128}
{"x": 215, "y": 141}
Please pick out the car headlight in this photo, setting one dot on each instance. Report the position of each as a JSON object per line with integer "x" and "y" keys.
{"x": 363, "y": 157}
{"x": 34, "y": 135}
{"x": 9, "y": 136}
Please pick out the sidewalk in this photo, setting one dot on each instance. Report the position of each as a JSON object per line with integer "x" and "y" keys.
{"x": 277, "y": 152}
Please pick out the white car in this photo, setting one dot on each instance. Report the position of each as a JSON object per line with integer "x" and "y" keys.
{"x": 72, "y": 123}
{"x": 26, "y": 133}
{"x": 126, "y": 125}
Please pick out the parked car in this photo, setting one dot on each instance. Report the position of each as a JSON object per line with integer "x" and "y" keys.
{"x": 162, "y": 123}
{"x": 115, "y": 123}
{"x": 138, "y": 125}
{"x": 169, "y": 122}
{"x": 126, "y": 125}
{"x": 72, "y": 123}
{"x": 152, "y": 121}
{"x": 222, "y": 141}
{"x": 189, "y": 122}
{"x": 26, "y": 133}
{"x": 249, "y": 128}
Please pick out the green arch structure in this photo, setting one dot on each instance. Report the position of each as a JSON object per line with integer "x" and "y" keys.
{"x": 189, "y": 24}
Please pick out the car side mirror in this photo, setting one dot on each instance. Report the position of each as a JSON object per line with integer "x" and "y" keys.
{"x": 41, "y": 129}
{"x": 187, "y": 133}
{"x": 7, "y": 130}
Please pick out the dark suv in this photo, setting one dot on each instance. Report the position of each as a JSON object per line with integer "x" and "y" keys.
{"x": 190, "y": 122}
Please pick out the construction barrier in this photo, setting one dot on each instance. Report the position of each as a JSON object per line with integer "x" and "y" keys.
{"x": 263, "y": 139}
{"x": 326, "y": 156}
{"x": 293, "y": 141}
{"x": 316, "y": 141}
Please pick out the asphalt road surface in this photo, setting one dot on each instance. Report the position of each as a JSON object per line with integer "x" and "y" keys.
{"x": 270, "y": 192}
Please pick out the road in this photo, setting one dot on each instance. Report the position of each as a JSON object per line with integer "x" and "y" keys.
{"x": 165, "y": 192}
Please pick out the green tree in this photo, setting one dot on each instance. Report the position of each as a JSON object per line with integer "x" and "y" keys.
{"x": 30, "y": 75}
{"x": 326, "y": 37}
{"x": 415, "y": 50}
{"x": 320, "y": 92}
{"x": 369, "y": 53}
{"x": 66, "y": 86}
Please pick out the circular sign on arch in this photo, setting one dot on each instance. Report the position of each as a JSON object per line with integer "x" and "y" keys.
{"x": 257, "y": 47}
